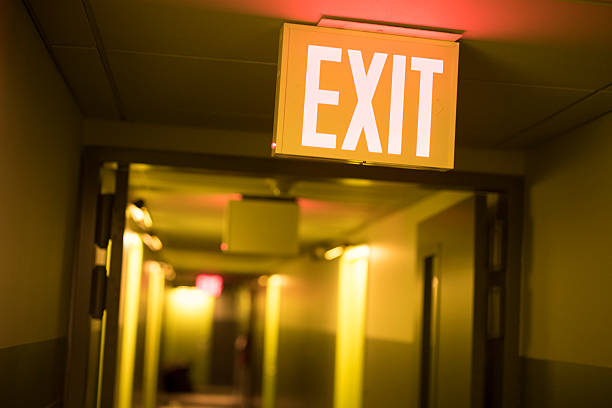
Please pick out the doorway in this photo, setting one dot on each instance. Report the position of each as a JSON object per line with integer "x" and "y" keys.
{"x": 341, "y": 214}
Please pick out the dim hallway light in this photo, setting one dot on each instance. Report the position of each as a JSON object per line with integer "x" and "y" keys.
{"x": 140, "y": 215}
{"x": 188, "y": 330}
{"x": 357, "y": 252}
{"x": 262, "y": 281}
{"x": 152, "y": 242}
{"x": 333, "y": 253}
{"x": 188, "y": 299}
{"x": 212, "y": 285}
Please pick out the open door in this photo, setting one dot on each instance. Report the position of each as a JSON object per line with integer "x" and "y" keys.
{"x": 92, "y": 360}
{"x": 110, "y": 326}
{"x": 452, "y": 251}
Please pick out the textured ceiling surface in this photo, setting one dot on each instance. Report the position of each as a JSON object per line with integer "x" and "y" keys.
{"x": 188, "y": 211}
{"x": 529, "y": 69}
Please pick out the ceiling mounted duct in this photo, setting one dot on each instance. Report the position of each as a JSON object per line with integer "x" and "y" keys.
{"x": 262, "y": 226}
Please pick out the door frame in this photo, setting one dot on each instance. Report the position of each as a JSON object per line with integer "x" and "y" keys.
{"x": 511, "y": 186}
{"x": 429, "y": 344}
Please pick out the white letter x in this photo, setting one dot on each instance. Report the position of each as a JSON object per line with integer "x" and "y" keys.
{"x": 363, "y": 117}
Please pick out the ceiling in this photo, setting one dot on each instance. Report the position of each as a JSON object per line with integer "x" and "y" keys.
{"x": 188, "y": 212}
{"x": 529, "y": 69}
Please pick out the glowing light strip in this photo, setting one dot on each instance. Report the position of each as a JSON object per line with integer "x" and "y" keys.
{"x": 155, "y": 302}
{"x": 132, "y": 269}
{"x": 350, "y": 334}
{"x": 273, "y": 293}
{"x": 187, "y": 333}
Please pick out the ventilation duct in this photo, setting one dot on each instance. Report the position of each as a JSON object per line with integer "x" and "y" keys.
{"x": 262, "y": 226}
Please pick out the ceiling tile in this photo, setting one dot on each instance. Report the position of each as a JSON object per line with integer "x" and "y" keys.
{"x": 575, "y": 115}
{"x": 554, "y": 65}
{"x": 86, "y": 77}
{"x": 186, "y": 28}
{"x": 488, "y": 113}
{"x": 195, "y": 91}
{"x": 63, "y": 22}
{"x": 562, "y": 58}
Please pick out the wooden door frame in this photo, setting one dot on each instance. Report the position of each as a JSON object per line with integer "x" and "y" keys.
{"x": 93, "y": 158}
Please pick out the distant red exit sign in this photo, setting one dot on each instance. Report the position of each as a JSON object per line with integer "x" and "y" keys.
{"x": 366, "y": 97}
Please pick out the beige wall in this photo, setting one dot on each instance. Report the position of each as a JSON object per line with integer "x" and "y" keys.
{"x": 393, "y": 315}
{"x": 39, "y": 133}
{"x": 309, "y": 294}
{"x": 394, "y": 284}
{"x": 567, "y": 299}
{"x": 307, "y": 326}
{"x": 394, "y": 304}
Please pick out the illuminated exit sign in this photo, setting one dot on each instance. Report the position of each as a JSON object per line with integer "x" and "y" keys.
{"x": 366, "y": 97}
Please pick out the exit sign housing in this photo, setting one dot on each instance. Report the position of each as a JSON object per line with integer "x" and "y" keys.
{"x": 366, "y": 97}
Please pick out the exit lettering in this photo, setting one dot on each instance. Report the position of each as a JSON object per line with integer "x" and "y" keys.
{"x": 366, "y": 97}
{"x": 363, "y": 119}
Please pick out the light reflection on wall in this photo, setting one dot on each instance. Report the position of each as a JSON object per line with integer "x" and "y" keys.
{"x": 188, "y": 332}
{"x": 155, "y": 297}
{"x": 128, "y": 317}
{"x": 243, "y": 309}
{"x": 272, "y": 313}
{"x": 348, "y": 378}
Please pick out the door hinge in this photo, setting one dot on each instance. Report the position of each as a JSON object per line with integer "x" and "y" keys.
{"x": 98, "y": 292}
{"x": 497, "y": 253}
{"x": 104, "y": 213}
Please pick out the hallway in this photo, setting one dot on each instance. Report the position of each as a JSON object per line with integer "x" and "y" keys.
{"x": 289, "y": 204}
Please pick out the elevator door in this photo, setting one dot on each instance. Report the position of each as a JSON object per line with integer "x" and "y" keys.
{"x": 449, "y": 265}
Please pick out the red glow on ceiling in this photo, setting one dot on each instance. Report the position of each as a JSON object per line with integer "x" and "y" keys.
{"x": 309, "y": 206}
{"x": 510, "y": 20}
{"x": 212, "y": 285}
{"x": 217, "y": 200}
{"x": 223, "y": 246}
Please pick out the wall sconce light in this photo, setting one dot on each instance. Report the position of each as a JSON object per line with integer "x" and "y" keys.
{"x": 139, "y": 213}
{"x": 334, "y": 253}
{"x": 152, "y": 242}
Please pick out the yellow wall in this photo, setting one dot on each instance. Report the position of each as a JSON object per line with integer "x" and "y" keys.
{"x": 394, "y": 294}
{"x": 309, "y": 312}
{"x": 39, "y": 134}
{"x": 307, "y": 326}
{"x": 270, "y": 346}
{"x": 187, "y": 332}
{"x": 394, "y": 304}
{"x": 309, "y": 282}
{"x": 350, "y": 334}
{"x": 568, "y": 260}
